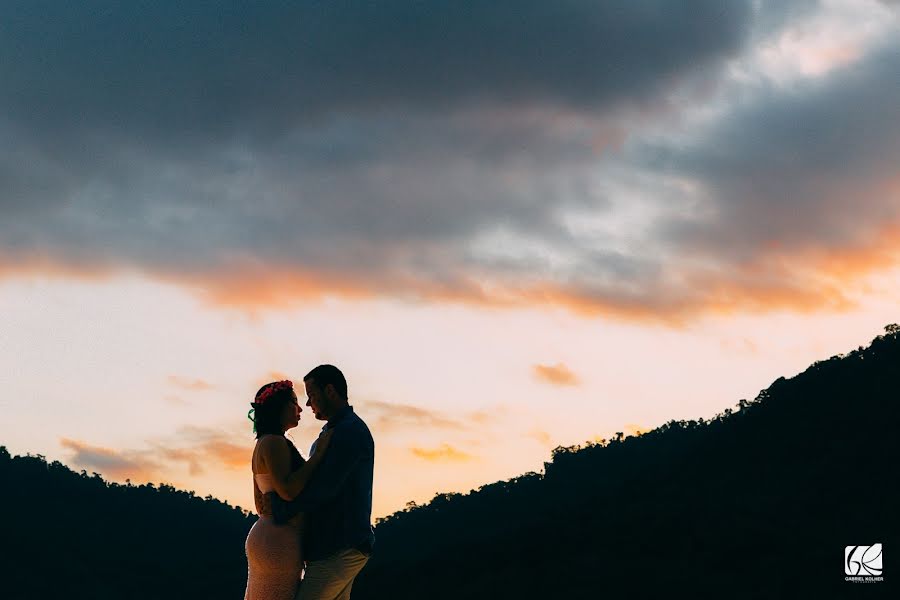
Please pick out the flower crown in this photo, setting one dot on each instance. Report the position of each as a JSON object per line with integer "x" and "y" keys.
{"x": 278, "y": 386}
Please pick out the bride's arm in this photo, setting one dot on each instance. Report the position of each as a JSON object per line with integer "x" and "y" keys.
{"x": 260, "y": 500}
{"x": 277, "y": 457}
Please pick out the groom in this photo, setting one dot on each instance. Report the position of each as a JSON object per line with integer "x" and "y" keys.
{"x": 338, "y": 498}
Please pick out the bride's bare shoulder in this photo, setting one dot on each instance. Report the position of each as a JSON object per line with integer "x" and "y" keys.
{"x": 271, "y": 439}
{"x": 268, "y": 446}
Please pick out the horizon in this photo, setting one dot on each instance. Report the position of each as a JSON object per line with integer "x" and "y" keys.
{"x": 507, "y": 239}
{"x": 619, "y": 436}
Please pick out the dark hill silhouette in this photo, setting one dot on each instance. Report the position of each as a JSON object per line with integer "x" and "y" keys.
{"x": 758, "y": 502}
{"x": 70, "y": 535}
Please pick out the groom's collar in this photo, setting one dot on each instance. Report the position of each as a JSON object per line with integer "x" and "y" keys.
{"x": 332, "y": 422}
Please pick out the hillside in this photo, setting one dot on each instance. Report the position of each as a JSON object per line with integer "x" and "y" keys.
{"x": 758, "y": 502}
{"x": 72, "y": 535}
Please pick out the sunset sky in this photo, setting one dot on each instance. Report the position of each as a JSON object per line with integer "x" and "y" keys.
{"x": 513, "y": 224}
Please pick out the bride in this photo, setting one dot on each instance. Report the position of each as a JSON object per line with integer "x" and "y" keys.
{"x": 274, "y": 555}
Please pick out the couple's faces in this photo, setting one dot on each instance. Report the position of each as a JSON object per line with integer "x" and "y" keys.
{"x": 291, "y": 415}
{"x": 317, "y": 400}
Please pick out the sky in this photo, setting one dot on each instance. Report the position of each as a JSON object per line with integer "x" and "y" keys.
{"x": 514, "y": 225}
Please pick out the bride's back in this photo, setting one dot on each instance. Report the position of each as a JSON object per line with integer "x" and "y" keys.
{"x": 263, "y": 482}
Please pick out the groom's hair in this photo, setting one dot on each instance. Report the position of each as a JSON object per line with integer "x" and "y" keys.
{"x": 325, "y": 374}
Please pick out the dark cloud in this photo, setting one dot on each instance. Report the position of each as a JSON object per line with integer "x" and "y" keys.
{"x": 152, "y": 119}
{"x": 192, "y": 70}
{"x": 275, "y": 151}
{"x": 813, "y": 166}
{"x": 772, "y": 16}
{"x": 177, "y": 137}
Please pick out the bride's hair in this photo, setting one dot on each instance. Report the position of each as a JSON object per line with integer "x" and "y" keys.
{"x": 268, "y": 404}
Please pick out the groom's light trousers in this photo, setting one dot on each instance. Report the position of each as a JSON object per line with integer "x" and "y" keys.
{"x": 331, "y": 578}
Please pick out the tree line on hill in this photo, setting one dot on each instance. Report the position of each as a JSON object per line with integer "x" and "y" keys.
{"x": 75, "y": 535}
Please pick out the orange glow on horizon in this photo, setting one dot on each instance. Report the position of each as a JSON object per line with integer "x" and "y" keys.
{"x": 444, "y": 452}
{"x": 804, "y": 281}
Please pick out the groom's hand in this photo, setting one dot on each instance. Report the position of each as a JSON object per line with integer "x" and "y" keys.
{"x": 324, "y": 440}
{"x": 281, "y": 510}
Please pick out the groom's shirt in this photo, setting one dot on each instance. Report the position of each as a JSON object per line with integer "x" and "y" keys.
{"x": 337, "y": 499}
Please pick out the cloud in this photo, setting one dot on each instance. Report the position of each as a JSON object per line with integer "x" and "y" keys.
{"x": 779, "y": 173}
{"x": 795, "y": 194}
{"x": 541, "y": 436}
{"x": 190, "y": 457}
{"x": 380, "y": 130}
{"x": 199, "y": 446}
{"x": 116, "y": 464}
{"x": 175, "y": 400}
{"x": 199, "y": 449}
{"x": 558, "y": 374}
{"x": 389, "y": 416}
{"x": 443, "y": 453}
{"x": 187, "y": 383}
{"x": 167, "y": 70}
{"x": 459, "y": 152}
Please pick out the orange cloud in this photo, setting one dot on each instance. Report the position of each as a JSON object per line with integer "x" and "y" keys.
{"x": 802, "y": 280}
{"x": 483, "y": 417}
{"x": 194, "y": 447}
{"x": 541, "y": 437}
{"x": 229, "y": 454}
{"x": 190, "y": 384}
{"x": 443, "y": 453}
{"x": 392, "y": 416}
{"x": 250, "y": 286}
{"x": 44, "y": 265}
{"x": 113, "y": 464}
{"x": 189, "y": 457}
{"x": 558, "y": 374}
{"x": 205, "y": 445}
{"x": 222, "y": 453}
{"x": 805, "y": 281}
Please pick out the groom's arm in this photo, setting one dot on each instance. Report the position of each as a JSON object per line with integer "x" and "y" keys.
{"x": 346, "y": 450}
{"x": 343, "y": 455}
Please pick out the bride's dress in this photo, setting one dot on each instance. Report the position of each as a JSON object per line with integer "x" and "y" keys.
{"x": 274, "y": 558}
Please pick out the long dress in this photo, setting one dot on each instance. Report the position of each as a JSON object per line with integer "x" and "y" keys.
{"x": 274, "y": 558}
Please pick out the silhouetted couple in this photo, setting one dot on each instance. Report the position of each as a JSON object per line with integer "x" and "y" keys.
{"x": 315, "y": 511}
